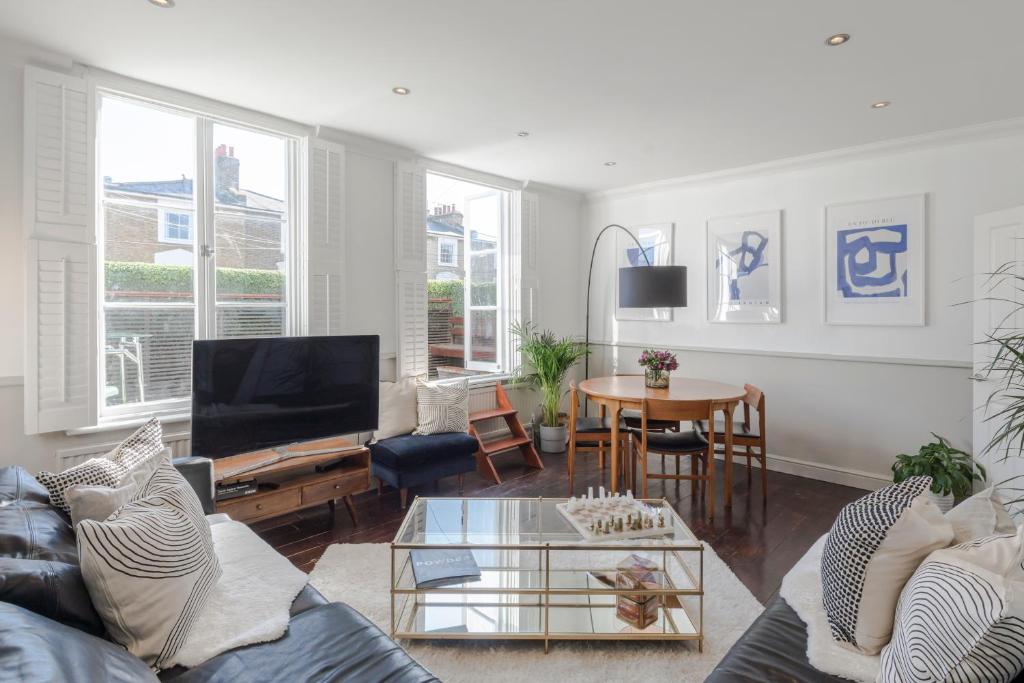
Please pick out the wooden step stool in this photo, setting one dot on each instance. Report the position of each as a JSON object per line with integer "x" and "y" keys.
{"x": 518, "y": 439}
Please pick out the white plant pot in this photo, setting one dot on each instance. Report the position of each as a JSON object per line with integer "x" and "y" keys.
{"x": 552, "y": 439}
{"x": 944, "y": 503}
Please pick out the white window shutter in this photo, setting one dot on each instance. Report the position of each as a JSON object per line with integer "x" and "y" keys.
{"x": 325, "y": 242}
{"x": 61, "y": 354}
{"x": 524, "y": 236}
{"x": 58, "y": 157}
{"x": 61, "y": 358}
{"x": 411, "y": 268}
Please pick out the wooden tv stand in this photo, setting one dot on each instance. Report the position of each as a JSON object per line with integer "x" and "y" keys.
{"x": 337, "y": 469}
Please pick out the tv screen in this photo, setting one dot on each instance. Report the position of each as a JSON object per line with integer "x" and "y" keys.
{"x": 251, "y": 394}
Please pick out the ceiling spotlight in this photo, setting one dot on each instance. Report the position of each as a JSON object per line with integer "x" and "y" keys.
{"x": 523, "y": 133}
{"x": 399, "y": 90}
{"x": 837, "y": 39}
{"x": 162, "y": 3}
{"x": 881, "y": 104}
{"x": 609, "y": 163}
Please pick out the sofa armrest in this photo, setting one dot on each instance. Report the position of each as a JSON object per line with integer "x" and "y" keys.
{"x": 199, "y": 473}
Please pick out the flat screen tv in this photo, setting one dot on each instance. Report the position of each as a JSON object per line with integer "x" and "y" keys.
{"x": 252, "y": 394}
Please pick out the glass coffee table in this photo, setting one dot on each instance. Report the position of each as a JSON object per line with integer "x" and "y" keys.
{"x": 542, "y": 579}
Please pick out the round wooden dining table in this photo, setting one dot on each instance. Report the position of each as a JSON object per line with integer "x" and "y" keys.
{"x": 629, "y": 391}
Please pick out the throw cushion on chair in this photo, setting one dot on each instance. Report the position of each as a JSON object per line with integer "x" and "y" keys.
{"x": 397, "y": 413}
{"x": 442, "y": 407}
{"x": 873, "y": 548}
{"x": 979, "y": 516}
{"x": 961, "y": 615}
{"x": 150, "y": 567}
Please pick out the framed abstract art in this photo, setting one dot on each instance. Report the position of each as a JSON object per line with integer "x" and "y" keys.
{"x": 745, "y": 268}
{"x": 875, "y": 262}
{"x": 657, "y": 242}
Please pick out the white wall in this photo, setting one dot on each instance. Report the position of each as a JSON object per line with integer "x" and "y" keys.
{"x": 838, "y": 414}
{"x": 370, "y": 255}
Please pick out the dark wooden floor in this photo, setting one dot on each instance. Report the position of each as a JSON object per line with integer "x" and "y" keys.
{"x": 759, "y": 542}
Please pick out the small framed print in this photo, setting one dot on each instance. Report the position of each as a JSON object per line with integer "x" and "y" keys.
{"x": 744, "y": 268}
{"x": 875, "y": 262}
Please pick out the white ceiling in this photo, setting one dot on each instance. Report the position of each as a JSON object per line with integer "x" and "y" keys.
{"x": 663, "y": 87}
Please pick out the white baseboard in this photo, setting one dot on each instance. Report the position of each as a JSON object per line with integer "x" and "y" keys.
{"x": 814, "y": 470}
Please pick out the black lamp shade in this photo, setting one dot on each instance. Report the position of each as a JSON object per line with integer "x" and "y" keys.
{"x": 652, "y": 287}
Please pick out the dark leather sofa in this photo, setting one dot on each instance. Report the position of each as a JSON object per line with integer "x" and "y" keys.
{"x": 49, "y": 630}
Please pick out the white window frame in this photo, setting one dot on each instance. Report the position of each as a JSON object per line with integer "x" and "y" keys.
{"x": 452, "y": 242}
{"x": 202, "y": 210}
{"x": 164, "y": 237}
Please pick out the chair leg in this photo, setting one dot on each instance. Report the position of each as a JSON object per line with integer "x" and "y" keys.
{"x": 694, "y": 475}
{"x": 570, "y": 463}
{"x": 643, "y": 473}
{"x": 380, "y": 488}
{"x": 462, "y": 481}
{"x": 403, "y": 496}
{"x": 764, "y": 475}
{"x": 710, "y": 466}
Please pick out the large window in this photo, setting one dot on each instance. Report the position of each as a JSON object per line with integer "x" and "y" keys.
{"x": 185, "y": 259}
{"x": 466, "y": 224}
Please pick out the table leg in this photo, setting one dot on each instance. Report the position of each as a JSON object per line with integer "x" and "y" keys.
{"x": 728, "y": 454}
{"x": 615, "y": 446}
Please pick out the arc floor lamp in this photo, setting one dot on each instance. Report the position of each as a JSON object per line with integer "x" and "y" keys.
{"x": 647, "y": 286}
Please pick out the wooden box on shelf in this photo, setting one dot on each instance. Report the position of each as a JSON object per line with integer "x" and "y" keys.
{"x": 337, "y": 469}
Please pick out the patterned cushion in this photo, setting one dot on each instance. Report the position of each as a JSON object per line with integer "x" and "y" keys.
{"x": 135, "y": 452}
{"x": 873, "y": 548}
{"x": 150, "y": 567}
{"x": 442, "y": 407}
{"x": 92, "y": 472}
{"x": 961, "y": 616}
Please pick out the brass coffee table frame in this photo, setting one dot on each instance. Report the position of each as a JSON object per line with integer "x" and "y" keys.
{"x": 406, "y": 601}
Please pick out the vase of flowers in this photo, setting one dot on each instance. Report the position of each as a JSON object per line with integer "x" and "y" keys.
{"x": 657, "y": 365}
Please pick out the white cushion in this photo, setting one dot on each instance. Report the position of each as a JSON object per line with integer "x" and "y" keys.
{"x": 442, "y": 407}
{"x": 979, "y": 516}
{"x": 97, "y": 502}
{"x": 397, "y": 413}
{"x": 961, "y": 616}
{"x": 150, "y": 567}
{"x": 873, "y": 548}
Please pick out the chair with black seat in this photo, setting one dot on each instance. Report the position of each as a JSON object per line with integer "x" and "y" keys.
{"x": 748, "y": 434}
{"x": 589, "y": 435}
{"x": 700, "y": 450}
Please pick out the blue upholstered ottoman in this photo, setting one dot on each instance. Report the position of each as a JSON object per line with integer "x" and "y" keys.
{"x": 412, "y": 459}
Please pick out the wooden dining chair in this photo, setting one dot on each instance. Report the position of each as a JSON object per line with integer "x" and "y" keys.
{"x": 748, "y": 434}
{"x": 700, "y": 450}
{"x": 589, "y": 435}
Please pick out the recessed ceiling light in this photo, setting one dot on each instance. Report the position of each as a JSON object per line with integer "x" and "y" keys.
{"x": 399, "y": 90}
{"x": 162, "y": 3}
{"x": 609, "y": 163}
{"x": 882, "y": 104}
{"x": 523, "y": 133}
{"x": 837, "y": 39}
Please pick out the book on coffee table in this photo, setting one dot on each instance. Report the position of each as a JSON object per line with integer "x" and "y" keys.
{"x": 435, "y": 568}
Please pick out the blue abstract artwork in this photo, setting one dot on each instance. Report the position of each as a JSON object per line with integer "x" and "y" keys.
{"x": 871, "y": 262}
{"x": 635, "y": 257}
{"x": 743, "y": 263}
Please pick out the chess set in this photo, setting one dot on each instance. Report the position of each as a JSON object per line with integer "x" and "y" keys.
{"x": 612, "y": 517}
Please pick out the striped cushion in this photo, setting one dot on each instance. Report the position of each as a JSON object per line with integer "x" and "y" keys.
{"x": 150, "y": 567}
{"x": 442, "y": 407}
{"x": 961, "y": 616}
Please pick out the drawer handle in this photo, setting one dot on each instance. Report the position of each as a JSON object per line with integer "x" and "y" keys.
{"x": 259, "y": 506}
{"x": 337, "y": 486}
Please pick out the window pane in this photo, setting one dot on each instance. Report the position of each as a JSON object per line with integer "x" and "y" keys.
{"x": 251, "y": 231}
{"x": 250, "y": 321}
{"x": 146, "y": 163}
{"x": 484, "y": 282}
{"x": 147, "y": 354}
{"x": 484, "y": 327}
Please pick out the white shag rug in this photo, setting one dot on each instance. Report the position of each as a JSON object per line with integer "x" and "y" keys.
{"x": 801, "y": 589}
{"x": 251, "y": 601}
{"x": 357, "y": 574}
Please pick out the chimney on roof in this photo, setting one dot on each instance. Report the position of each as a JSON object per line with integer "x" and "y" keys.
{"x": 226, "y": 174}
{"x": 447, "y": 214}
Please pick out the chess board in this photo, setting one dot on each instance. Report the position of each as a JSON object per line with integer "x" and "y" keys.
{"x": 581, "y": 519}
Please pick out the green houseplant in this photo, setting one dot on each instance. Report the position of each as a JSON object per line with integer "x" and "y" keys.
{"x": 549, "y": 359}
{"x": 953, "y": 471}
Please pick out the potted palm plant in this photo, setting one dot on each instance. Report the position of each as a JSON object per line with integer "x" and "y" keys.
{"x": 953, "y": 471}
{"x": 549, "y": 359}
